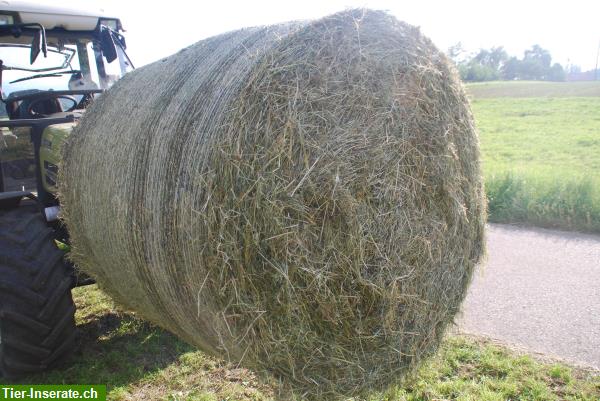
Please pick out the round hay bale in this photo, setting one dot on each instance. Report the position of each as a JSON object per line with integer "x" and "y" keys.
{"x": 302, "y": 199}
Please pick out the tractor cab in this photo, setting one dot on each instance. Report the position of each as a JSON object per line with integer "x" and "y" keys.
{"x": 53, "y": 62}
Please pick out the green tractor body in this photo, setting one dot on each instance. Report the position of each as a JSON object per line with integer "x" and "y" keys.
{"x": 53, "y": 138}
{"x": 54, "y": 62}
{"x": 18, "y": 157}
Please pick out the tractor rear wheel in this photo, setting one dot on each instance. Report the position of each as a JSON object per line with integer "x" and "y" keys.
{"x": 37, "y": 325}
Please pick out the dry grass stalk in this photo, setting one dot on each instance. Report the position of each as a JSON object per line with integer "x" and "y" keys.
{"x": 304, "y": 199}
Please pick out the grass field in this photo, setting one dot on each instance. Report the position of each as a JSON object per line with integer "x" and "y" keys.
{"x": 541, "y": 154}
{"x": 141, "y": 362}
{"x": 513, "y": 89}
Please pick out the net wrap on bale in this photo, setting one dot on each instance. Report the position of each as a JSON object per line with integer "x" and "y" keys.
{"x": 302, "y": 199}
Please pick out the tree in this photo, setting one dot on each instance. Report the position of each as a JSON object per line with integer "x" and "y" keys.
{"x": 477, "y": 72}
{"x": 536, "y": 63}
{"x": 511, "y": 69}
{"x": 483, "y": 66}
{"x": 494, "y": 63}
{"x": 557, "y": 73}
{"x": 456, "y": 53}
{"x": 538, "y": 55}
{"x": 493, "y": 58}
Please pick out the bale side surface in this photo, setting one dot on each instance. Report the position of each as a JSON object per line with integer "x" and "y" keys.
{"x": 303, "y": 199}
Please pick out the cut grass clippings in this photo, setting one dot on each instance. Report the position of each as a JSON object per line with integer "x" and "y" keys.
{"x": 140, "y": 361}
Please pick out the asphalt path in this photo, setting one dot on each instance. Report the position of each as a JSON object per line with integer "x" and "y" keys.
{"x": 538, "y": 290}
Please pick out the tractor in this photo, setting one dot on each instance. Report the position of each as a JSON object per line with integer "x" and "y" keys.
{"x": 54, "y": 61}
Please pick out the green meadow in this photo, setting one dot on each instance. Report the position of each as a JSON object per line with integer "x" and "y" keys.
{"x": 541, "y": 153}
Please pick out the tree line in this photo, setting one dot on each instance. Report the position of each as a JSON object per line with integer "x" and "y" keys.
{"x": 495, "y": 64}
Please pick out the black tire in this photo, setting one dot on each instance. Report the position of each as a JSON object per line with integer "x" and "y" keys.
{"x": 37, "y": 325}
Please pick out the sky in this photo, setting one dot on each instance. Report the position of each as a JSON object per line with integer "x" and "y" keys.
{"x": 570, "y": 30}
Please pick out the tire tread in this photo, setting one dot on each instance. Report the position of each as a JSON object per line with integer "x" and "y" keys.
{"x": 37, "y": 324}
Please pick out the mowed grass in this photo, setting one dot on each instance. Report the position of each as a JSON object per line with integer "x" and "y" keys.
{"x": 541, "y": 155}
{"x": 139, "y": 361}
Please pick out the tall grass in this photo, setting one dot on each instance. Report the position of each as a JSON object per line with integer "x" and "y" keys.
{"x": 569, "y": 204}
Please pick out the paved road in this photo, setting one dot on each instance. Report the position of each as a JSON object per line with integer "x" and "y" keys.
{"x": 539, "y": 289}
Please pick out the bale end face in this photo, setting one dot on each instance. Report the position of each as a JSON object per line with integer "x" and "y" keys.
{"x": 305, "y": 200}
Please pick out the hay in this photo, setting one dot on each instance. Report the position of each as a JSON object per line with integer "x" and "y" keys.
{"x": 302, "y": 199}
